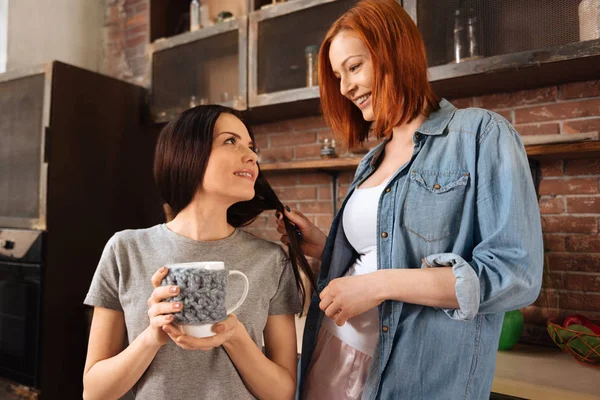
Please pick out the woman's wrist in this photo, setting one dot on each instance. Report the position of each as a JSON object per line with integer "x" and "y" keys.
{"x": 149, "y": 339}
{"x": 239, "y": 337}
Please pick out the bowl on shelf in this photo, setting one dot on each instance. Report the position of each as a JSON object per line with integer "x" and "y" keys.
{"x": 579, "y": 341}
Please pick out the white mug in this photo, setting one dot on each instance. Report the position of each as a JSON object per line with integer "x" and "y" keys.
{"x": 205, "y": 330}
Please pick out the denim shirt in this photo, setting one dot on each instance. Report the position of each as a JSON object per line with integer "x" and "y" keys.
{"x": 468, "y": 202}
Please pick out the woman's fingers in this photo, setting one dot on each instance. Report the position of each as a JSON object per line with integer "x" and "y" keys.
{"x": 161, "y": 293}
{"x": 161, "y": 320}
{"x": 164, "y": 308}
{"x": 159, "y": 276}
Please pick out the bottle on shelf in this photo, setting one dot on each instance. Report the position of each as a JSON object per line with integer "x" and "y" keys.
{"x": 194, "y": 15}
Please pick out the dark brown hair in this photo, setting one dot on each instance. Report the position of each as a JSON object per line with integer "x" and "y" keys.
{"x": 401, "y": 90}
{"x": 182, "y": 152}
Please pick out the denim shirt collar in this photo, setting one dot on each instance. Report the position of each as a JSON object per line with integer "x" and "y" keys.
{"x": 434, "y": 125}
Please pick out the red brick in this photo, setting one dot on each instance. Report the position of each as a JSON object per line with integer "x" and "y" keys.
{"x": 290, "y": 139}
{"x": 322, "y": 135}
{"x": 508, "y": 114}
{"x": 538, "y": 129}
{"x": 316, "y": 207}
{"x": 346, "y": 177}
{"x": 569, "y": 186}
{"x": 141, "y": 8}
{"x": 137, "y": 19}
{"x": 551, "y": 168}
{"x": 324, "y": 193}
{"x": 261, "y": 141}
{"x": 137, "y": 29}
{"x": 583, "y": 167}
{"x": 538, "y": 315}
{"x": 569, "y": 224}
{"x": 583, "y": 205}
{"x": 558, "y": 111}
{"x": 583, "y": 244}
{"x": 303, "y": 124}
{"x": 315, "y": 179}
{"x": 276, "y": 155}
{"x": 273, "y": 127}
{"x": 581, "y": 301}
{"x": 277, "y": 179}
{"x": 574, "y": 262}
{"x": 521, "y": 98}
{"x": 136, "y": 40}
{"x": 547, "y": 298}
{"x": 310, "y": 151}
{"x": 579, "y": 90}
{"x": 297, "y": 193}
{"x": 554, "y": 243}
{"x": 582, "y": 282}
{"x": 582, "y": 125}
{"x": 552, "y": 205}
{"x": 464, "y": 102}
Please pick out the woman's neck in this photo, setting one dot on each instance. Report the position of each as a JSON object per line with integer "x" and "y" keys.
{"x": 202, "y": 221}
{"x": 404, "y": 133}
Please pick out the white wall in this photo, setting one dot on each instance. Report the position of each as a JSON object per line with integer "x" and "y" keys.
{"x": 3, "y": 33}
{"x": 40, "y": 31}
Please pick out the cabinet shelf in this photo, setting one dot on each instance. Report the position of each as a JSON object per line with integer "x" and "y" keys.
{"x": 538, "y": 152}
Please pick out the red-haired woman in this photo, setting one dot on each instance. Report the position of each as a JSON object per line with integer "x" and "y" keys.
{"x": 438, "y": 236}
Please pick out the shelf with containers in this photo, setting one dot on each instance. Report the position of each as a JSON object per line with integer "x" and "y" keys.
{"x": 476, "y": 47}
{"x": 284, "y": 41}
{"x": 206, "y": 66}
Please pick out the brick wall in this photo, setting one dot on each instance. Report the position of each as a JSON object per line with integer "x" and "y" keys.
{"x": 569, "y": 191}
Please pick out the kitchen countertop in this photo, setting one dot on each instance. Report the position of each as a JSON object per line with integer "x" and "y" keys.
{"x": 534, "y": 372}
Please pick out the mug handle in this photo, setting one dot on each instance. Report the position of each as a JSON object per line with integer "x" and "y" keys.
{"x": 247, "y": 286}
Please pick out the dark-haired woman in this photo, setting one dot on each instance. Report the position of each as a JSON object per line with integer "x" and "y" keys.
{"x": 438, "y": 236}
{"x": 206, "y": 170}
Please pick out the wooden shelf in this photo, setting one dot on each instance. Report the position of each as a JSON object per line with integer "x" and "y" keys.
{"x": 538, "y": 152}
{"x": 564, "y": 150}
{"x": 331, "y": 164}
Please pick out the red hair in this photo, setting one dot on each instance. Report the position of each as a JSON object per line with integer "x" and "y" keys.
{"x": 401, "y": 90}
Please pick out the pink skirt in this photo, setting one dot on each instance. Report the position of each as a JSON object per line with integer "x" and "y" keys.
{"x": 337, "y": 372}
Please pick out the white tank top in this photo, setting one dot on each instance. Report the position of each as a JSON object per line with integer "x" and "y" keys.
{"x": 360, "y": 226}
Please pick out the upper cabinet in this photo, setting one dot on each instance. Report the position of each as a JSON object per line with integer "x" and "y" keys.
{"x": 264, "y": 60}
{"x": 204, "y": 66}
{"x": 284, "y": 41}
{"x": 482, "y": 46}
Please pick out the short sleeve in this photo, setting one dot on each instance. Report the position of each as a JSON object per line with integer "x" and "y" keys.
{"x": 287, "y": 298}
{"x": 104, "y": 290}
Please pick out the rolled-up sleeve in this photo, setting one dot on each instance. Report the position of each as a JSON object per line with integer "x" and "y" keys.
{"x": 505, "y": 272}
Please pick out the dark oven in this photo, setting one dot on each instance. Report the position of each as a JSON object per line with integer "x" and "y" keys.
{"x": 20, "y": 300}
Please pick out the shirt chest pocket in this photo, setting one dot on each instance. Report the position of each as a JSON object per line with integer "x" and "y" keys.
{"x": 434, "y": 203}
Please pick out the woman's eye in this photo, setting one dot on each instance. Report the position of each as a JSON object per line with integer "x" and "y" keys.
{"x": 231, "y": 140}
{"x": 354, "y": 67}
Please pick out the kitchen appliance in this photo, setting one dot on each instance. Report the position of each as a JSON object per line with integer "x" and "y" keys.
{"x": 75, "y": 167}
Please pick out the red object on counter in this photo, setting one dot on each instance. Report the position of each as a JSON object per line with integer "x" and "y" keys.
{"x": 577, "y": 319}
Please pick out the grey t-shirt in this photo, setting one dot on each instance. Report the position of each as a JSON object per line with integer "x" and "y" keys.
{"x": 122, "y": 283}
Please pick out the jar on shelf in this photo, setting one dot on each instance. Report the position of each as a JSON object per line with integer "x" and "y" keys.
{"x": 589, "y": 20}
{"x": 328, "y": 149}
{"x": 312, "y": 65}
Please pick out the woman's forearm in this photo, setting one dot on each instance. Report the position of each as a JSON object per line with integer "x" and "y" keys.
{"x": 113, "y": 377}
{"x": 433, "y": 287}
{"x": 264, "y": 378}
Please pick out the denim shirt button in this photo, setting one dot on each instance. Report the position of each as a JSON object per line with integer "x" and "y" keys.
{"x": 384, "y": 234}
{"x": 384, "y": 328}
{"x": 387, "y": 190}
{"x": 436, "y": 186}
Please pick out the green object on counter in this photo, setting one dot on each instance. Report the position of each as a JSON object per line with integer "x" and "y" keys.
{"x": 512, "y": 328}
